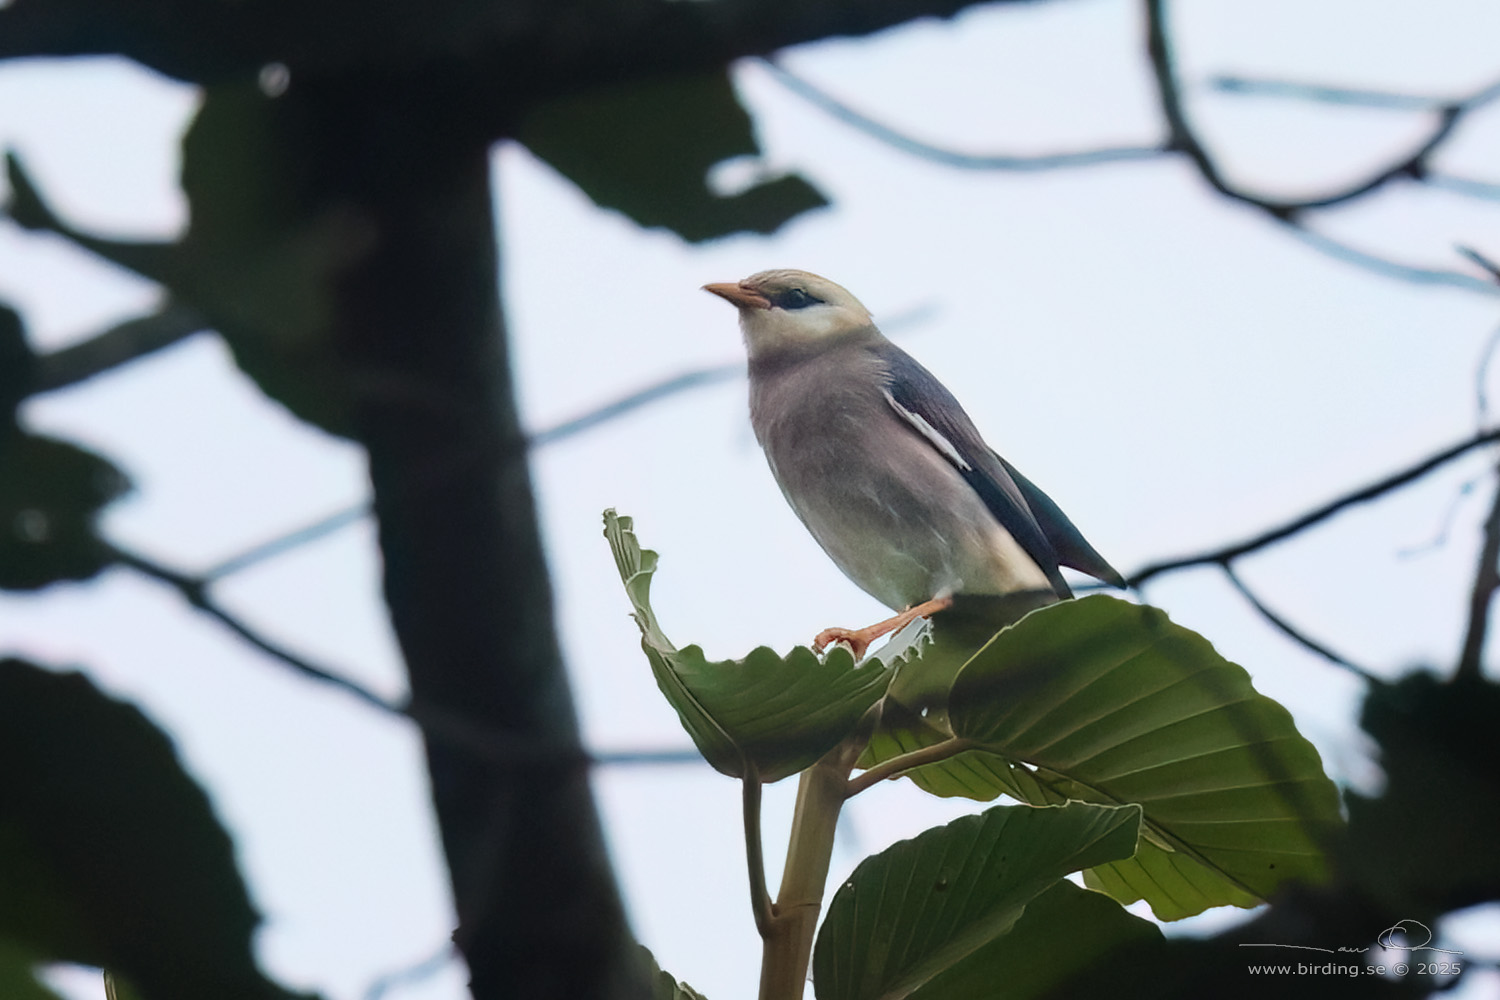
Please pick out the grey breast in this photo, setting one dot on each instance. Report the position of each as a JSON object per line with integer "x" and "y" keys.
{"x": 889, "y": 510}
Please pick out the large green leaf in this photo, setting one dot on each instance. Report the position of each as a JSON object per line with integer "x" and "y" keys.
{"x": 932, "y": 912}
{"x": 1065, "y": 944}
{"x": 776, "y": 715}
{"x": 645, "y": 148}
{"x": 915, "y": 712}
{"x": 1108, "y": 701}
{"x": 109, "y": 853}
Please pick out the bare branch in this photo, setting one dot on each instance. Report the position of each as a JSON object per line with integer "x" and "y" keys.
{"x": 195, "y": 592}
{"x": 1462, "y": 185}
{"x": 1481, "y": 259}
{"x": 1386, "y": 267}
{"x": 948, "y": 157}
{"x": 116, "y": 346}
{"x": 1182, "y": 137}
{"x": 652, "y": 393}
{"x": 495, "y": 747}
{"x": 287, "y": 542}
{"x": 1293, "y": 633}
{"x": 412, "y": 974}
{"x": 1486, "y": 582}
{"x": 1227, "y": 554}
{"x": 1445, "y": 526}
{"x": 1349, "y": 96}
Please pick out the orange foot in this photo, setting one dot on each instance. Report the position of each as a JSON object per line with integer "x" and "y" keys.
{"x": 859, "y": 639}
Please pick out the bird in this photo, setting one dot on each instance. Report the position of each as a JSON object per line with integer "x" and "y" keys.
{"x": 883, "y": 465}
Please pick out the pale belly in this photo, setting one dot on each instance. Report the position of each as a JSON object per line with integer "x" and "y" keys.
{"x": 902, "y": 524}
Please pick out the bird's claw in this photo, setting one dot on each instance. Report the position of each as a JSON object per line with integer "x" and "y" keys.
{"x": 855, "y": 639}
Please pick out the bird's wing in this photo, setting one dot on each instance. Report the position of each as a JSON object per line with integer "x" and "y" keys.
{"x": 1072, "y": 548}
{"x": 930, "y": 409}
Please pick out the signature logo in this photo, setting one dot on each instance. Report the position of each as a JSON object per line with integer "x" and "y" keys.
{"x": 1404, "y": 935}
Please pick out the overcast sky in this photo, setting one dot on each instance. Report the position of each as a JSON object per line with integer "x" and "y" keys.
{"x": 1175, "y": 370}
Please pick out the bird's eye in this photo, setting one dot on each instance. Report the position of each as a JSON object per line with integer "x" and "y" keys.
{"x": 795, "y": 298}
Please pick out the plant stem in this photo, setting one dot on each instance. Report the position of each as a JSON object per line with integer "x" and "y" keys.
{"x": 760, "y": 898}
{"x": 905, "y": 762}
{"x": 787, "y": 943}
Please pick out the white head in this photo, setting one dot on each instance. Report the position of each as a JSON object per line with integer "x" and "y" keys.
{"x": 789, "y": 309}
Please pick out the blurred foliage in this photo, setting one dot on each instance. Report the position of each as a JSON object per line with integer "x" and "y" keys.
{"x": 110, "y": 854}
{"x": 51, "y": 492}
{"x": 646, "y": 149}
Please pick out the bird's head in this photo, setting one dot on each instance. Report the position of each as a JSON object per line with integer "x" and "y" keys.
{"x": 786, "y": 309}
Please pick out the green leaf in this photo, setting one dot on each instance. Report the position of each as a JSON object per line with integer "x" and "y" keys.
{"x": 1066, "y": 943}
{"x": 935, "y": 909}
{"x": 645, "y": 147}
{"x": 915, "y": 712}
{"x": 51, "y": 493}
{"x": 109, "y": 853}
{"x": 770, "y": 714}
{"x": 663, "y": 986}
{"x": 261, "y": 257}
{"x": 1108, "y": 701}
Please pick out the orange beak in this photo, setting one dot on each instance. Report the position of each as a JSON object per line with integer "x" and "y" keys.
{"x": 739, "y": 295}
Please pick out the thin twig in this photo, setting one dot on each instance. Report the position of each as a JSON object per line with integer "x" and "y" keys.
{"x": 195, "y": 592}
{"x": 635, "y": 400}
{"x": 119, "y": 345}
{"x": 755, "y": 860}
{"x": 1480, "y": 259}
{"x": 629, "y": 758}
{"x": 1387, "y": 268}
{"x": 1293, "y": 633}
{"x": 1184, "y": 139}
{"x": 500, "y": 748}
{"x": 948, "y": 157}
{"x": 1466, "y": 186}
{"x": 905, "y": 762}
{"x": 1445, "y": 526}
{"x": 1482, "y": 377}
{"x": 412, "y": 974}
{"x": 1348, "y": 96}
{"x": 1299, "y": 524}
{"x": 291, "y": 540}
{"x": 1486, "y": 582}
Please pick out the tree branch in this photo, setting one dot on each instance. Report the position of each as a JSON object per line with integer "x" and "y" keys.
{"x": 1296, "y": 635}
{"x": 1223, "y": 556}
{"x": 116, "y": 346}
{"x": 1386, "y": 267}
{"x": 1486, "y": 582}
{"x": 948, "y": 157}
{"x": 1349, "y": 96}
{"x": 195, "y": 592}
{"x": 1183, "y": 138}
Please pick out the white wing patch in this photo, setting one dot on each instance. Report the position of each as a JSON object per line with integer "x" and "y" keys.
{"x": 931, "y": 433}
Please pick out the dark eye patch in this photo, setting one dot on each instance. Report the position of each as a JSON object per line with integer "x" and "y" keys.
{"x": 794, "y": 298}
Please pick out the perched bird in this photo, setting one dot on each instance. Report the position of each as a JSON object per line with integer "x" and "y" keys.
{"x": 884, "y": 466}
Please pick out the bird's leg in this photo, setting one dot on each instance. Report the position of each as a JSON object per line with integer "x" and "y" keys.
{"x": 859, "y": 639}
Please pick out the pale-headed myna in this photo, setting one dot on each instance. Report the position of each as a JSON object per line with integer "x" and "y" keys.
{"x": 884, "y": 466}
